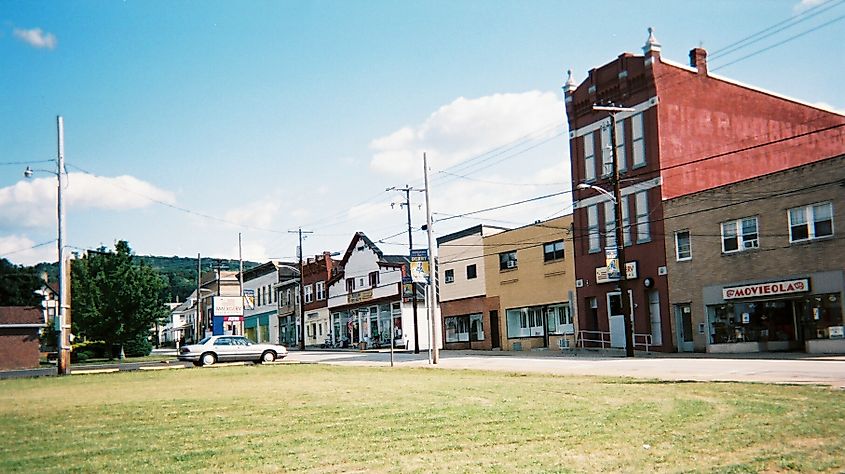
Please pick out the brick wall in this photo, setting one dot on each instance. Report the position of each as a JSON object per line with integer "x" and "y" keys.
{"x": 19, "y": 348}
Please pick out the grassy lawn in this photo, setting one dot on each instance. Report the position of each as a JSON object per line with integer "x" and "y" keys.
{"x": 314, "y": 418}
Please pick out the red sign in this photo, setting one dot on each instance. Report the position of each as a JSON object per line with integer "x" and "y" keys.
{"x": 767, "y": 289}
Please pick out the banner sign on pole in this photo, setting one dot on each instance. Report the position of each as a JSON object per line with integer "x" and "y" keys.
{"x": 419, "y": 266}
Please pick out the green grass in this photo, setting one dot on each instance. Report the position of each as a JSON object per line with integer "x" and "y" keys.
{"x": 307, "y": 418}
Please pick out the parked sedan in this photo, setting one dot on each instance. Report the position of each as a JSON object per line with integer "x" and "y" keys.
{"x": 230, "y": 348}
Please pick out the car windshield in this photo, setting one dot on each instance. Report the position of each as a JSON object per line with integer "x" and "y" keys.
{"x": 204, "y": 340}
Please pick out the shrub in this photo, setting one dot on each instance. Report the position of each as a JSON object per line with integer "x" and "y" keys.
{"x": 138, "y": 347}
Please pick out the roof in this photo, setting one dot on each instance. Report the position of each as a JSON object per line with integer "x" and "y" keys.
{"x": 478, "y": 229}
{"x": 21, "y": 315}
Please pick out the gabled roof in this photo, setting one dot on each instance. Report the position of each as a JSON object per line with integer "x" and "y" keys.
{"x": 21, "y": 315}
{"x": 383, "y": 260}
{"x": 369, "y": 243}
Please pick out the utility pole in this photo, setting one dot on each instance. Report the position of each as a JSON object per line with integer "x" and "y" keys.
{"x": 301, "y": 289}
{"x": 63, "y": 349}
{"x": 434, "y": 333}
{"x": 241, "y": 281}
{"x": 407, "y": 190}
{"x": 627, "y": 310}
{"x": 199, "y": 323}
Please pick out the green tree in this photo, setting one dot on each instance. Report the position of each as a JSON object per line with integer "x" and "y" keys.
{"x": 114, "y": 298}
{"x": 18, "y": 285}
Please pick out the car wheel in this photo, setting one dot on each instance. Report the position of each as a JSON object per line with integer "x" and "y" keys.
{"x": 208, "y": 359}
{"x": 268, "y": 356}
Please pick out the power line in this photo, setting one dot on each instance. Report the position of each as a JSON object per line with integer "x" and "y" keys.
{"x": 18, "y": 163}
{"x": 29, "y": 248}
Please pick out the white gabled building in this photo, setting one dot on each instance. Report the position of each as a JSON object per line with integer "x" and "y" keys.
{"x": 368, "y": 300}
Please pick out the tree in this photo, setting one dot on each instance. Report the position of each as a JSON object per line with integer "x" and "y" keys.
{"x": 115, "y": 299}
{"x": 18, "y": 285}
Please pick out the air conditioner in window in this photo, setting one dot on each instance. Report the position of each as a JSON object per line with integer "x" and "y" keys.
{"x": 751, "y": 244}
{"x": 511, "y": 264}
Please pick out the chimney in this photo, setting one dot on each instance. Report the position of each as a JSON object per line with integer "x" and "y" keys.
{"x": 698, "y": 59}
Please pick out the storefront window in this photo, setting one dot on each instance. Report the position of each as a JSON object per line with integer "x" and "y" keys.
{"x": 525, "y": 322}
{"x": 752, "y": 322}
{"x": 559, "y": 319}
{"x": 821, "y": 316}
{"x": 476, "y": 327}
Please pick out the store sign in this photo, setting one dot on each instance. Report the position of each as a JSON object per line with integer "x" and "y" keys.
{"x": 419, "y": 266}
{"x": 602, "y": 275}
{"x": 767, "y": 289}
{"x": 228, "y": 306}
{"x": 249, "y": 298}
{"x": 359, "y": 296}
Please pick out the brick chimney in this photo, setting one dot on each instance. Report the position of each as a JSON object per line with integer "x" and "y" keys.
{"x": 698, "y": 59}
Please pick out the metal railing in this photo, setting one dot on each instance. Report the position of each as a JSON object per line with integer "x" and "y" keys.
{"x": 603, "y": 338}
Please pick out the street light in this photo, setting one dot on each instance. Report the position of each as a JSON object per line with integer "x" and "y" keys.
{"x": 616, "y": 199}
{"x": 63, "y": 346}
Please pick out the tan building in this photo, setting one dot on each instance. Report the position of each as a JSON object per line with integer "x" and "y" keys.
{"x": 470, "y": 318}
{"x": 532, "y": 273}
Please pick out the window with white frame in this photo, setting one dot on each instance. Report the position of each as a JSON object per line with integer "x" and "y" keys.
{"x": 609, "y": 225}
{"x": 621, "y": 158}
{"x": 589, "y": 158}
{"x": 457, "y": 329}
{"x": 683, "y": 248}
{"x": 740, "y": 235}
{"x": 638, "y": 140}
{"x": 309, "y": 293}
{"x": 559, "y": 319}
{"x": 525, "y": 322}
{"x": 449, "y": 276}
{"x": 626, "y": 222}
{"x": 643, "y": 231}
{"x": 321, "y": 290}
{"x": 593, "y": 229}
{"x": 606, "y": 156}
{"x": 810, "y": 222}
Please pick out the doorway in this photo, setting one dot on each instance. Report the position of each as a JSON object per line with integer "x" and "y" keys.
{"x": 494, "y": 329}
{"x": 683, "y": 327}
{"x": 615, "y": 318}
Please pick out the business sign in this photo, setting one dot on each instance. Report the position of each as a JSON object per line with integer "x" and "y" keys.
{"x": 630, "y": 273}
{"x": 767, "y": 289}
{"x": 419, "y": 266}
{"x": 228, "y": 306}
{"x": 249, "y": 298}
{"x": 359, "y": 296}
{"x": 611, "y": 259}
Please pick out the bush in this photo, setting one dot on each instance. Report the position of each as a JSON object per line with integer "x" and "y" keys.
{"x": 139, "y": 347}
{"x": 95, "y": 349}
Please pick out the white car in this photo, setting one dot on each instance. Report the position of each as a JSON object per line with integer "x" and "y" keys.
{"x": 214, "y": 349}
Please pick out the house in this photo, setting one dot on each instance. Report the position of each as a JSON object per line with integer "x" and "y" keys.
{"x": 317, "y": 271}
{"x": 530, "y": 271}
{"x": 20, "y": 327}
{"x": 686, "y": 131}
{"x": 756, "y": 265}
{"x": 368, "y": 302}
{"x": 470, "y": 319}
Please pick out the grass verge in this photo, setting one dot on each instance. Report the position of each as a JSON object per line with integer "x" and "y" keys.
{"x": 314, "y": 418}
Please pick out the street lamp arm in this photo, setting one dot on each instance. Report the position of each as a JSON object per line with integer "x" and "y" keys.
{"x": 597, "y": 189}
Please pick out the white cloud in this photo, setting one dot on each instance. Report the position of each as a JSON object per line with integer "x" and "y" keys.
{"x": 465, "y": 128}
{"x": 36, "y": 37}
{"x": 32, "y": 203}
{"x": 22, "y": 250}
{"x": 806, "y": 4}
{"x": 262, "y": 213}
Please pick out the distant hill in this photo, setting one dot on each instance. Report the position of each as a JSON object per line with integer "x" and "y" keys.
{"x": 180, "y": 274}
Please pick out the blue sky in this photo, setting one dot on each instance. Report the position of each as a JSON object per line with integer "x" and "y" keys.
{"x": 261, "y": 117}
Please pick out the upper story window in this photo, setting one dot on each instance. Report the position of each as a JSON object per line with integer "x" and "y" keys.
{"x": 449, "y": 276}
{"x": 739, "y": 235}
{"x": 350, "y": 284}
{"x": 609, "y": 224}
{"x": 321, "y": 290}
{"x": 621, "y": 158}
{"x": 589, "y": 158}
{"x": 606, "y": 156}
{"x": 638, "y": 140}
{"x": 507, "y": 260}
{"x": 472, "y": 272}
{"x": 626, "y": 222}
{"x": 810, "y": 222}
{"x": 593, "y": 229}
{"x": 683, "y": 247}
{"x": 374, "y": 279}
{"x": 643, "y": 231}
{"x": 309, "y": 293}
{"x": 553, "y": 251}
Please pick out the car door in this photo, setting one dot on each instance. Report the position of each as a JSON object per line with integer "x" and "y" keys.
{"x": 225, "y": 349}
{"x": 248, "y": 350}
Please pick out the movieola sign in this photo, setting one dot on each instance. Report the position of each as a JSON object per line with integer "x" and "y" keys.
{"x": 767, "y": 289}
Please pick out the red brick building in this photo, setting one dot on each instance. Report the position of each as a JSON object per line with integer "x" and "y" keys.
{"x": 19, "y": 343}
{"x": 689, "y": 131}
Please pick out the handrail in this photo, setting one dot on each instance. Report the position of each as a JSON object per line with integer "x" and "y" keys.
{"x": 603, "y": 337}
